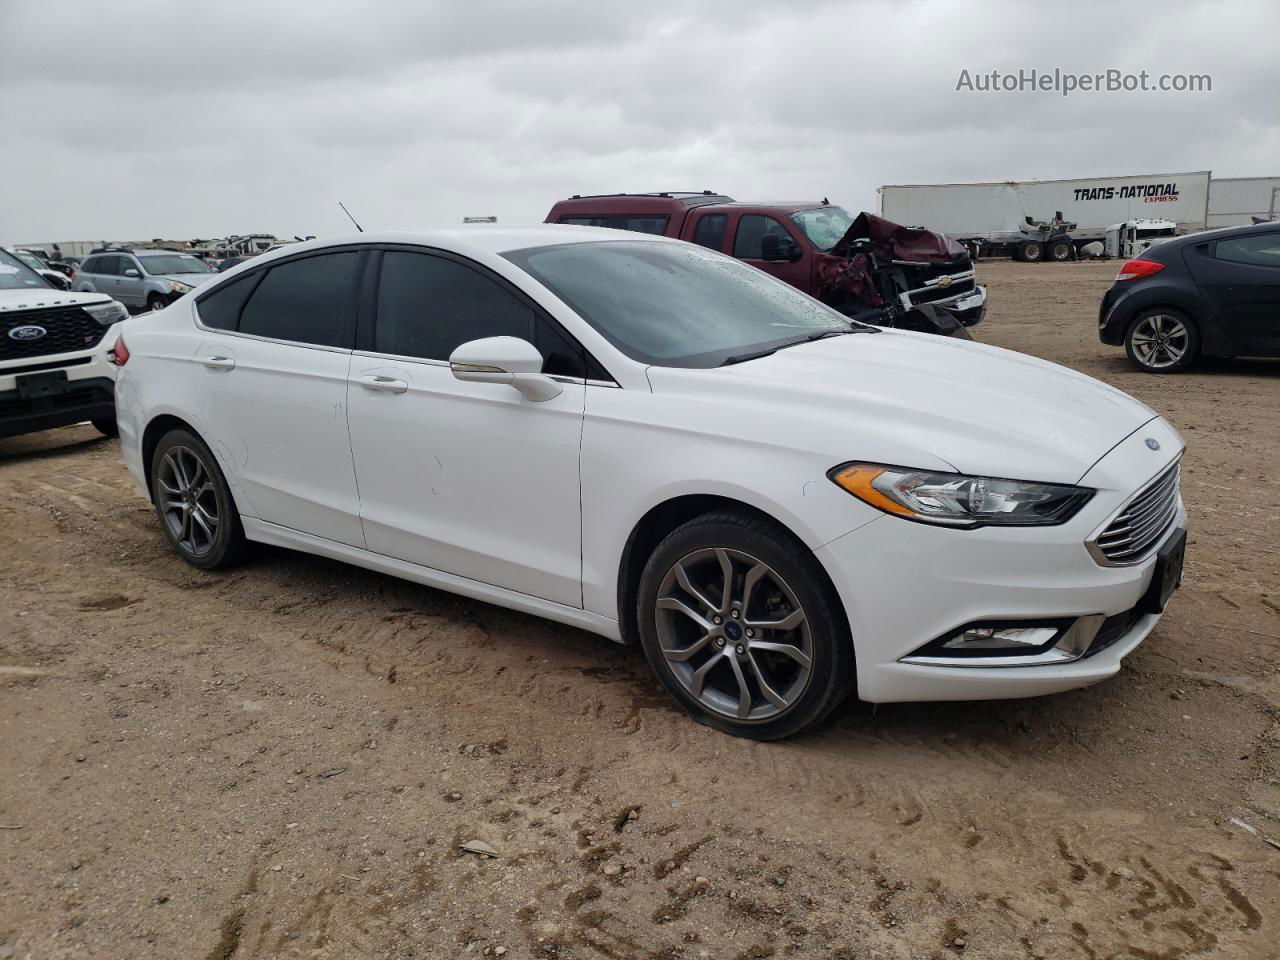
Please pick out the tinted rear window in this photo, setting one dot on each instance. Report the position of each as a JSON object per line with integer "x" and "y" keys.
{"x": 306, "y": 301}
{"x": 221, "y": 308}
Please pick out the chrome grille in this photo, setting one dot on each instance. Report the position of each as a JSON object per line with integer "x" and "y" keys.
{"x": 1142, "y": 523}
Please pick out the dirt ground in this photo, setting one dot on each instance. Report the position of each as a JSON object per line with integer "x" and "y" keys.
{"x": 284, "y": 759}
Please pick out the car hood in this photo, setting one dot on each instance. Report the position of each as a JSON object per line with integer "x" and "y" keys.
{"x": 189, "y": 279}
{"x": 903, "y": 398}
{"x": 38, "y": 298}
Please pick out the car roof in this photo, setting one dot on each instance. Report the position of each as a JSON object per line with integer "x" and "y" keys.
{"x": 475, "y": 238}
{"x": 1243, "y": 230}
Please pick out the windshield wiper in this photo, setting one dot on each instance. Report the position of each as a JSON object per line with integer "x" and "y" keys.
{"x": 820, "y": 335}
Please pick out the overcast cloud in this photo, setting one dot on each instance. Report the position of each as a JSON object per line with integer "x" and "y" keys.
{"x": 177, "y": 119}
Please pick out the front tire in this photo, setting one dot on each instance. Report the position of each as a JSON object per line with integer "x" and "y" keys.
{"x": 156, "y": 302}
{"x": 1162, "y": 340}
{"x": 740, "y": 623}
{"x": 1061, "y": 250}
{"x": 106, "y": 426}
{"x": 194, "y": 502}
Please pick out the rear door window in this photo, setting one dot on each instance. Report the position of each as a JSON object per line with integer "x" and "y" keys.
{"x": 710, "y": 231}
{"x": 1258, "y": 251}
{"x": 305, "y": 301}
{"x": 221, "y": 308}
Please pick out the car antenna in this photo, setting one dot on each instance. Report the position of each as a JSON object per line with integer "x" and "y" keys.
{"x": 350, "y": 217}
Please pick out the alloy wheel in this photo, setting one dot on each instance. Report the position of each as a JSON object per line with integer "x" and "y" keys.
{"x": 1160, "y": 341}
{"x": 188, "y": 502}
{"x": 734, "y": 634}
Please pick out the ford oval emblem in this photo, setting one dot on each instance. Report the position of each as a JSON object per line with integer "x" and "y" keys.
{"x": 1153, "y": 443}
{"x": 27, "y": 332}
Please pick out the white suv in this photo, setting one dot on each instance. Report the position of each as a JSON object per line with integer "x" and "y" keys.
{"x": 659, "y": 443}
{"x": 56, "y": 360}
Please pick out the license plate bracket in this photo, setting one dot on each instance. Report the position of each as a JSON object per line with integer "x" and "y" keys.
{"x": 1167, "y": 575}
{"x": 33, "y": 386}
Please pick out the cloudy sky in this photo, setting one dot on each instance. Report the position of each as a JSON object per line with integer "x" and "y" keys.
{"x": 170, "y": 118}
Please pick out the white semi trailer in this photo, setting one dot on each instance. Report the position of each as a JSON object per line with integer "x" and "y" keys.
{"x": 1235, "y": 201}
{"x": 1047, "y": 219}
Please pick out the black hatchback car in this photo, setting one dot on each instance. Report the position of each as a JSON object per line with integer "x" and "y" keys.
{"x": 1213, "y": 294}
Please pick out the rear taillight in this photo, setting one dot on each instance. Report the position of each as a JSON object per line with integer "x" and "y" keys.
{"x": 1134, "y": 269}
{"x": 119, "y": 354}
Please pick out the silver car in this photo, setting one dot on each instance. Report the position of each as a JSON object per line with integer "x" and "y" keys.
{"x": 142, "y": 279}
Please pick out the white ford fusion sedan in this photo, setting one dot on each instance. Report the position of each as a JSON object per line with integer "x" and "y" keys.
{"x": 663, "y": 445}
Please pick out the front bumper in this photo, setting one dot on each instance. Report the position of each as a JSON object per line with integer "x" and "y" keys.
{"x": 89, "y": 393}
{"x": 905, "y": 584}
{"x": 968, "y": 307}
{"x": 84, "y": 399}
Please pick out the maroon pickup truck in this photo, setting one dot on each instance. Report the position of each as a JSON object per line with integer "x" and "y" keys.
{"x": 865, "y": 267}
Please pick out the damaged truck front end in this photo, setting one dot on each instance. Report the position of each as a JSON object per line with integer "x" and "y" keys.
{"x": 883, "y": 273}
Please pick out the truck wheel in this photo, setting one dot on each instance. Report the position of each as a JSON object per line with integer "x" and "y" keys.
{"x": 1029, "y": 252}
{"x": 1061, "y": 250}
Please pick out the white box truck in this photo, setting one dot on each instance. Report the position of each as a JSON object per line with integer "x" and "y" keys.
{"x": 1048, "y": 219}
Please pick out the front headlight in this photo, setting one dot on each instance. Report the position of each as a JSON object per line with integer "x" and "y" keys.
{"x": 179, "y": 288}
{"x": 957, "y": 500}
{"x": 107, "y": 313}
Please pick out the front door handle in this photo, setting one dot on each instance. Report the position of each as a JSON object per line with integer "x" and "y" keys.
{"x": 218, "y": 362}
{"x": 384, "y": 384}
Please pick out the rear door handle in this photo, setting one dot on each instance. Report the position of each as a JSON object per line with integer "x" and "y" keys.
{"x": 384, "y": 384}
{"x": 219, "y": 362}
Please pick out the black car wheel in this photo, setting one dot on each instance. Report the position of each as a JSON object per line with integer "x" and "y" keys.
{"x": 1162, "y": 340}
{"x": 194, "y": 503}
{"x": 743, "y": 628}
{"x": 157, "y": 302}
{"x": 106, "y": 426}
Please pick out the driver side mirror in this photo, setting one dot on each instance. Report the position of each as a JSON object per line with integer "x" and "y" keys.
{"x": 774, "y": 248}
{"x": 508, "y": 360}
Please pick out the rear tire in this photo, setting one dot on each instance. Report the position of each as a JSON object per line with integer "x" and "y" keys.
{"x": 1162, "y": 340}
{"x": 1028, "y": 252}
{"x": 1061, "y": 250}
{"x": 766, "y": 658}
{"x": 106, "y": 426}
{"x": 194, "y": 502}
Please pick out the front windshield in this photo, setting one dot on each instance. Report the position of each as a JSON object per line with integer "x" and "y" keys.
{"x": 677, "y": 305}
{"x": 824, "y": 226}
{"x": 16, "y": 275}
{"x": 162, "y": 265}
